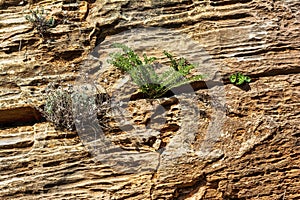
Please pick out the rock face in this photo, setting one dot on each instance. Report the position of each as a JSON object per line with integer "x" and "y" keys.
{"x": 217, "y": 142}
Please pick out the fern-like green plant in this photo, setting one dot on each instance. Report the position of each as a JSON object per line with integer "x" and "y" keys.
{"x": 143, "y": 73}
{"x": 154, "y": 84}
{"x": 181, "y": 65}
{"x": 128, "y": 59}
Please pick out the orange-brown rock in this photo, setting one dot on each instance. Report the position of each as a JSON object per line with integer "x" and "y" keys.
{"x": 251, "y": 152}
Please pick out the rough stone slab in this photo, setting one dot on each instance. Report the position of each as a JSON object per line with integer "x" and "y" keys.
{"x": 254, "y": 156}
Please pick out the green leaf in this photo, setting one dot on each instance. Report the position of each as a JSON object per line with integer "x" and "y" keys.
{"x": 174, "y": 64}
{"x": 247, "y": 79}
{"x": 240, "y": 80}
{"x": 148, "y": 60}
{"x": 232, "y": 78}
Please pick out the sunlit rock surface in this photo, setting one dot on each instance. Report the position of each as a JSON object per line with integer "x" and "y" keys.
{"x": 218, "y": 142}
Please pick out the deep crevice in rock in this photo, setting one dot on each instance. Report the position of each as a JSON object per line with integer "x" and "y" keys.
{"x": 277, "y": 72}
{"x": 20, "y": 116}
{"x": 185, "y": 190}
{"x": 226, "y": 3}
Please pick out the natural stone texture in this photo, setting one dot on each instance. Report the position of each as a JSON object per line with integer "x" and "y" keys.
{"x": 254, "y": 156}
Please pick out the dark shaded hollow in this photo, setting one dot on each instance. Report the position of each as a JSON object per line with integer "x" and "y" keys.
{"x": 188, "y": 88}
{"x": 20, "y": 116}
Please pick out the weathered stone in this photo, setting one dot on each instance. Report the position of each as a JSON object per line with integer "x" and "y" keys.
{"x": 246, "y": 147}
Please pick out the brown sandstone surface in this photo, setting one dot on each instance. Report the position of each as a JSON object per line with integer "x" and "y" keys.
{"x": 255, "y": 154}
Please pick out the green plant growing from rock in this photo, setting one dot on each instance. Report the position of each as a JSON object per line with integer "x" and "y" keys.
{"x": 128, "y": 60}
{"x": 39, "y": 19}
{"x": 181, "y": 65}
{"x": 239, "y": 79}
{"x": 143, "y": 73}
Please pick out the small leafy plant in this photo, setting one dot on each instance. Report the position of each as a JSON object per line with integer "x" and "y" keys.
{"x": 40, "y": 20}
{"x": 143, "y": 73}
{"x": 239, "y": 79}
{"x": 128, "y": 60}
{"x": 155, "y": 85}
{"x": 181, "y": 65}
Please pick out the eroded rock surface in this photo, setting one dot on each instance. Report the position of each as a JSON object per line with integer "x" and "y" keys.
{"x": 243, "y": 142}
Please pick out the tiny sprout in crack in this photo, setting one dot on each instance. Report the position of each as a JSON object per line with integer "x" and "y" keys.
{"x": 40, "y": 21}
